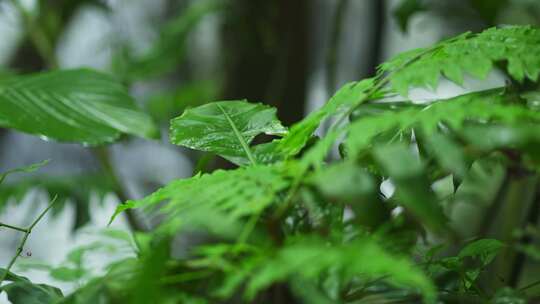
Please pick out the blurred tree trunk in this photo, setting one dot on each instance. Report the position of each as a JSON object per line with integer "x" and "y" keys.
{"x": 266, "y": 54}
{"x": 266, "y": 49}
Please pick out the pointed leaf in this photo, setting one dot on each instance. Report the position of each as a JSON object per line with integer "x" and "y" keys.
{"x": 225, "y": 127}
{"x": 26, "y": 169}
{"x": 81, "y": 106}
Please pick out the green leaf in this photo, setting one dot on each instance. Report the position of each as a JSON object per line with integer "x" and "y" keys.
{"x": 311, "y": 259}
{"x": 266, "y": 153}
{"x": 238, "y": 193}
{"x": 448, "y": 153}
{"x": 457, "y": 113}
{"x": 81, "y": 106}
{"x": 349, "y": 96}
{"x": 29, "y": 293}
{"x": 475, "y": 54}
{"x": 67, "y": 274}
{"x": 344, "y": 181}
{"x": 25, "y": 169}
{"x": 10, "y": 276}
{"x": 225, "y": 128}
{"x": 413, "y": 187}
{"x": 484, "y": 249}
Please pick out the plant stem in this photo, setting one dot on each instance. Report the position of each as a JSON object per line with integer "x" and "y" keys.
{"x": 519, "y": 261}
{"x": 512, "y": 214}
{"x": 37, "y": 36}
{"x": 12, "y": 227}
{"x": 27, "y": 233}
{"x": 531, "y": 285}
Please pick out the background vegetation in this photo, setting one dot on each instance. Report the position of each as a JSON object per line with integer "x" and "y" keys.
{"x": 386, "y": 193}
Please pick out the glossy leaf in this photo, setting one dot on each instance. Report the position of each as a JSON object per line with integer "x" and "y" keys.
{"x": 28, "y": 293}
{"x": 21, "y": 291}
{"x": 81, "y": 106}
{"x": 225, "y": 127}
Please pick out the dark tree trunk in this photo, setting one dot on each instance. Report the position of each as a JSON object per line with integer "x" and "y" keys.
{"x": 266, "y": 54}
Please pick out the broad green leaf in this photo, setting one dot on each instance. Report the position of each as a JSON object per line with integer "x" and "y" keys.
{"x": 225, "y": 128}
{"x": 29, "y": 293}
{"x": 10, "y": 276}
{"x": 81, "y": 106}
{"x": 266, "y": 153}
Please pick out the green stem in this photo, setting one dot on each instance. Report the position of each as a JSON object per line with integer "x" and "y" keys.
{"x": 531, "y": 285}
{"x": 512, "y": 215}
{"x": 27, "y": 233}
{"x": 248, "y": 228}
{"x": 37, "y": 36}
{"x": 12, "y": 227}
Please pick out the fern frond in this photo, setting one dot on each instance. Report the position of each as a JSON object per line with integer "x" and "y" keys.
{"x": 349, "y": 96}
{"x": 238, "y": 192}
{"x": 515, "y": 46}
{"x": 314, "y": 259}
{"x": 480, "y": 107}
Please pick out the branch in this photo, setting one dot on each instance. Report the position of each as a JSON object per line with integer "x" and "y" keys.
{"x": 12, "y": 227}
{"x": 27, "y": 232}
